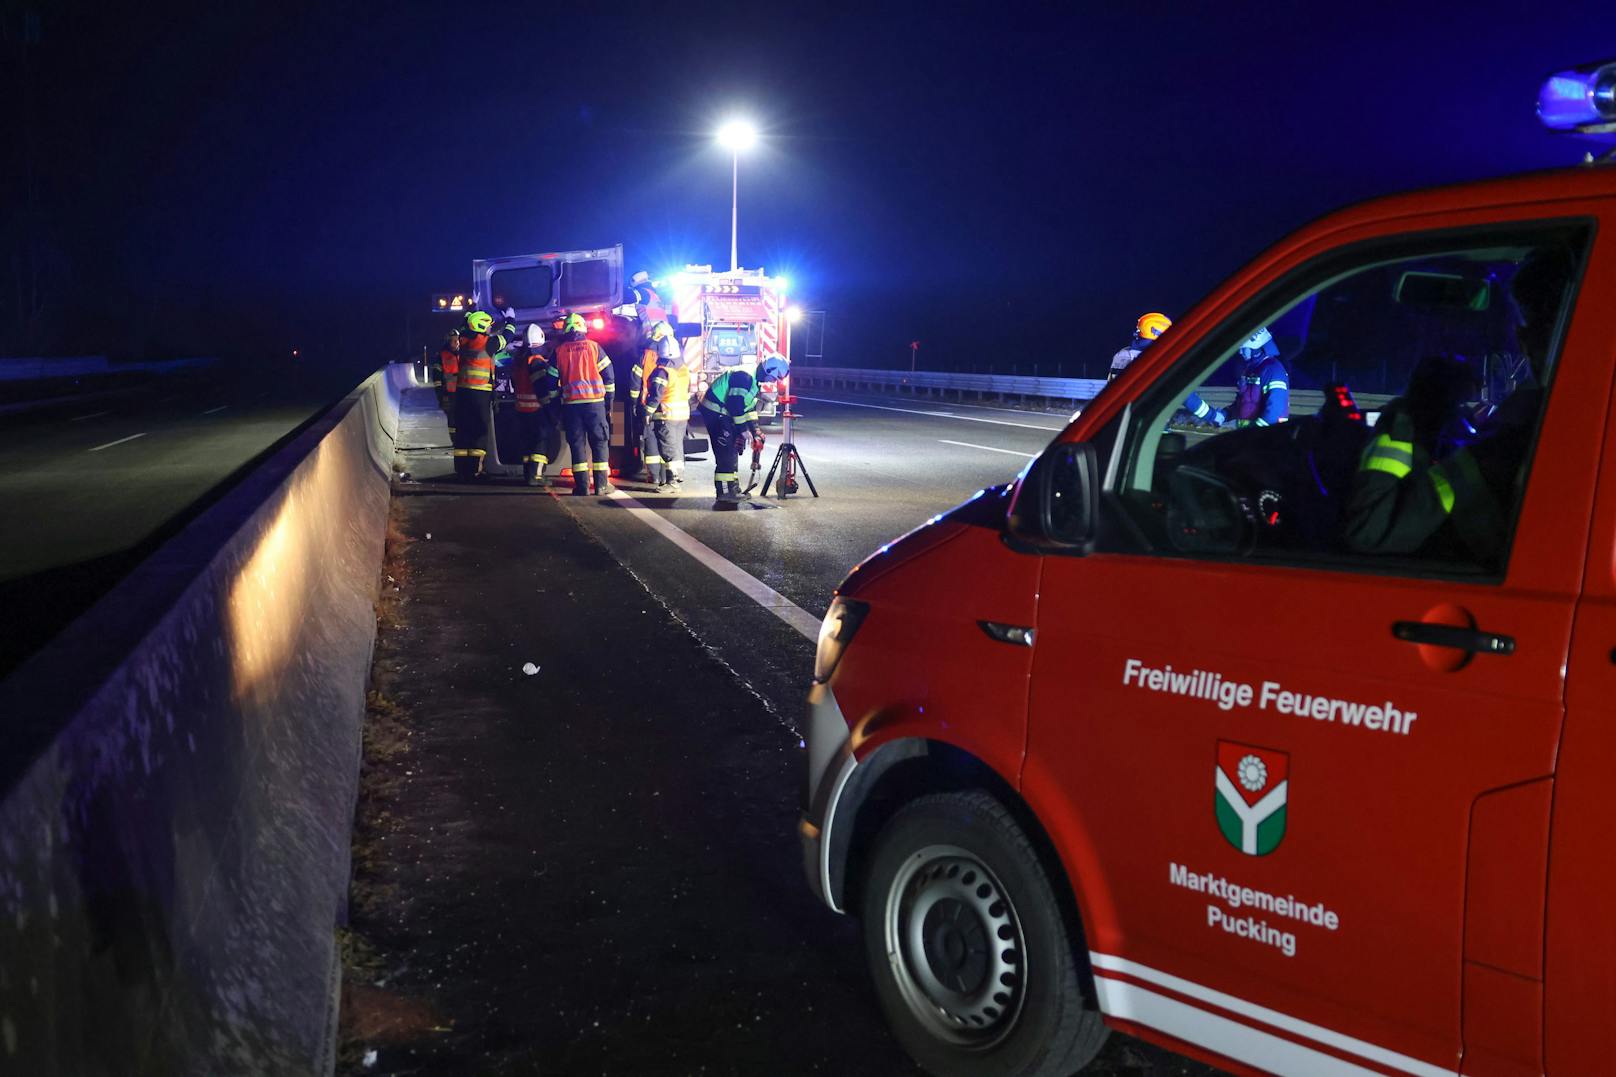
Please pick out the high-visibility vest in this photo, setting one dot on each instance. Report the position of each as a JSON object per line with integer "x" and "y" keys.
{"x": 527, "y": 398}
{"x": 449, "y": 361}
{"x": 648, "y": 365}
{"x": 675, "y": 403}
{"x": 580, "y": 363}
{"x": 476, "y": 365}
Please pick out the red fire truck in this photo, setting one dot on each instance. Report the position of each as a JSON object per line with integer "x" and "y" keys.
{"x": 731, "y": 320}
{"x": 1289, "y": 748}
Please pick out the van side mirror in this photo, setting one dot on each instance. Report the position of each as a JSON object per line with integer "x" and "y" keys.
{"x": 1057, "y": 505}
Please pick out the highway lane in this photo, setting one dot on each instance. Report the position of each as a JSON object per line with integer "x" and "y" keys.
{"x": 92, "y": 485}
{"x": 882, "y": 468}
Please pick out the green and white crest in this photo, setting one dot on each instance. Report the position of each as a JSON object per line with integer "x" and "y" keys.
{"x": 1251, "y": 787}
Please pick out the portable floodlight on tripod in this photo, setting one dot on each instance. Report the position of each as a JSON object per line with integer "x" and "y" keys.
{"x": 787, "y": 460}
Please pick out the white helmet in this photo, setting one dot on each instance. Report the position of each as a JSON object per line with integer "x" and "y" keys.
{"x": 535, "y": 336}
{"x": 1259, "y": 343}
{"x": 642, "y": 277}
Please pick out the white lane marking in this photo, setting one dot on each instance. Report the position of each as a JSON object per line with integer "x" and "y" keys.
{"x": 215, "y": 411}
{"x": 737, "y": 577}
{"x": 933, "y": 414}
{"x": 987, "y": 448}
{"x": 1103, "y": 963}
{"x": 92, "y": 415}
{"x": 120, "y": 441}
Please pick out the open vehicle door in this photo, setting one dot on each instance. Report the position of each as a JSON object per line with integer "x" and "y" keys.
{"x": 537, "y": 287}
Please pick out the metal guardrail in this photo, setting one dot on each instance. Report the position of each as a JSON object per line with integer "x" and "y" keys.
{"x": 937, "y": 383}
{"x": 940, "y": 383}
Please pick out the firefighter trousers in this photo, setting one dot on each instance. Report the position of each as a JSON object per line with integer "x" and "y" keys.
{"x": 473, "y": 418}
{"x": 669, "y": 452}
{"x": 726, "y": 439}
{"x": 588, "y": 439}
{"x": 540, "y": 433}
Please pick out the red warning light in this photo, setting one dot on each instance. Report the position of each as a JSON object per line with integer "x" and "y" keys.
{"x": 598, "y": 323}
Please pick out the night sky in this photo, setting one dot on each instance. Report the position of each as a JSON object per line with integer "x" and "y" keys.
{"x": 1010, "y": 185}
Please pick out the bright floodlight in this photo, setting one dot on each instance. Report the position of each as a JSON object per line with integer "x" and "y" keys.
{"x": 794, "y": 314}
{"x": 737, "y": 135}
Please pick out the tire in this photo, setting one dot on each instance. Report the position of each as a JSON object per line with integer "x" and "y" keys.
{"x": 968, "y": 948}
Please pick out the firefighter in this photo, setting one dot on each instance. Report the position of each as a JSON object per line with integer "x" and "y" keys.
{"x": 448, "y": 371}
{"x": 474, "y": 392}
{"x": 730, "y": 411}
{"x": 668, "y": 401}
{"x": 537, "y": 386}
{"x": 659, "y": 346}
{"x": 647, "y": 303}
{"x": 1262, "y": 391}
{"x": 585, "y": 374}
{"x": 1145, "y": 331}
{"x": 1415, "y": 487}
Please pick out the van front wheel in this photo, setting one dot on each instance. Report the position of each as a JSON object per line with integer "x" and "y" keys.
{"x": 968, "y": 948}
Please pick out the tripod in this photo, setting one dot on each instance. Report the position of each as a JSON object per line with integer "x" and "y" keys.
{"x": 787, "y": 459}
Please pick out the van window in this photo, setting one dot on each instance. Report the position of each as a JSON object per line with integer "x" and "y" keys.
{"x": 1377, "y": 410}
{"x": 588, "y": 281}
{"x": 521, "y": 288}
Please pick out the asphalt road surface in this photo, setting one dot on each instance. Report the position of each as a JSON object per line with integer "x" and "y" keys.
{"x": 93, "y": 484}
{"x": 575, "y": 850}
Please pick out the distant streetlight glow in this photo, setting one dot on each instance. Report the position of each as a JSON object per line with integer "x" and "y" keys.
{"x": 736, "y": 136}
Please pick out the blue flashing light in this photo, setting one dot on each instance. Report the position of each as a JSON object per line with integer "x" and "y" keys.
{"x": 1581, "y": 99}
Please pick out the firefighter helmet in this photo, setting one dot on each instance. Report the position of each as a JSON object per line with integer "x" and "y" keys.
{"x": 1150, "y": 326}
{"x": 661, "y": 330}
{"x": 479, "y": 321}
{"x": 535, "y": 336}
{"x": 642, "y": 277}
{"x": 1259, "y": 343}
{"x": 575, "y": 324}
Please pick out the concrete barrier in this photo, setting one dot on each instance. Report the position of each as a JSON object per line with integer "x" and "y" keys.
{"x": 178, "y": 776}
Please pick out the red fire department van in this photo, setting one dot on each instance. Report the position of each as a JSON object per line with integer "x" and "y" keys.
{"x": 1286, "y": 746}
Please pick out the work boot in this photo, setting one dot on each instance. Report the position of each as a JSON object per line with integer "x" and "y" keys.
{"x": 580, "y": 483}
{"x": 465, "y": 468}
{"x": 530, "y": 473}
{"x": 603, "y": 483}
{"x": 739, "y": 494}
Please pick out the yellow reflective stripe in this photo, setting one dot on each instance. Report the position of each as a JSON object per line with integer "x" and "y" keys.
{"x": 726, "y": 476}
{"x": 1444, "y": 491}
{"x": 1387, "y": 454}
{"x": 1395, "y": 468}
{"x": 712, "y": 405}
{"x": 749, "y": 417}
{"x": 601, "y": 465}
{"x": 540, "y": 458}
{"x": 462, "y": 452}
{"x": 653, "y": 459}
{"x": 476, "y": 452}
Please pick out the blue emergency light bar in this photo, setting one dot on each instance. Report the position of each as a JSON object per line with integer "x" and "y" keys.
{"x": 1582, "y": 99}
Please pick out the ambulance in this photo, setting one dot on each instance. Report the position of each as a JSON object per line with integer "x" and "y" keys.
{"x": 730, "y": 321}
{"x": 1290, "y": 748}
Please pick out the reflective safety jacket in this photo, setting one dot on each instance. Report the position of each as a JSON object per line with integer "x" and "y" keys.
{"x": 535, "y": 384}
{"x": 585, "y": 371}
{"x": 733, "y": 394}
{"x": 668, "y": 394}
{"x": 1262, "y": 397}
{"x": 1401, "y": 499}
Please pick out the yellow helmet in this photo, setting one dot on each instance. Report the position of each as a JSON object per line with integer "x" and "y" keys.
{"x": 1150, "y": 326}
{"x": 479, "y": 321}
{"x": 661, "y": 331}
{"x": 574, "y": 324}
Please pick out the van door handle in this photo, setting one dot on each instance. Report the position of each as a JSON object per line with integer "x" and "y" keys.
{"x": 1464, "y": 639}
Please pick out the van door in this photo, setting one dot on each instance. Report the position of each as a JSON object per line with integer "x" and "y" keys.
{"x": 1281, "y": 716}
{"x": 537, "y": 287}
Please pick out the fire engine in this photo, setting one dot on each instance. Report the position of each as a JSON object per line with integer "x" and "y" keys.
{"x": 730, "y": 320}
